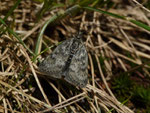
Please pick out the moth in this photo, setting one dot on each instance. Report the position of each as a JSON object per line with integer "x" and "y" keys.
{"x": 69, "y": 60}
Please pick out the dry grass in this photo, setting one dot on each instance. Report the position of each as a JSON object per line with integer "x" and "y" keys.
{"x": 21, "y": 88}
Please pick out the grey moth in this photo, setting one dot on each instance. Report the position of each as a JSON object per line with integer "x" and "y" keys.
{"x": 69, "y": 60}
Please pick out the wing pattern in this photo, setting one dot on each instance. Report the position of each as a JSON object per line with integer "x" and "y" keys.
{"x": 54, "y": 63}
{"x": 68, "y": 60}
{"x": 77, "y": 72}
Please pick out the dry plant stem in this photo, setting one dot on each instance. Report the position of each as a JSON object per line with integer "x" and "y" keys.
{"x": 5, "y": 105}
{"x": 6, "y": 73}
{"x": 5, "y": 109}
{"x": 18, "y": 84}
{"x": 28, "y": 96}
{"x": 23, "y": 80}
{"x": 81, "y": 108}
{"x": 64, "y": 103}
{"x": 93, "y": 77}
{"x": 145, "y": 18}
{"x": 19, "y": 100}
{"x": 92, "y": 105}
{"x": 93, "y": 80}
{"x": 37, "y": 26}
{"x": 10, "y": 66}
{"x": 133, "y": 48}
{"x": 122, "y": 56}
{"x": 33, "y": 71}
{"x": 4, "y": 53}
{"x": 11, "y": 110}
{"x": 141, "y": 6}
{"x": 115, "y": 107}
{"x": 103, "y": 78}
{"x": 60, "y": 94}
{"x": 105, "y": 108}
{"x": 100, "y": 70}
{"x": 122, "y": 64}
{"x": 121, "y": 45}
{"x": 109, "y": 100}
{"x": 144, "y": 46}
{"x": 70, "y": 103}
{"x": 2, "y": 109}
{"x": 90, "y": 58}
{"x": 92, "y": 69}
{"x": 103, "y": 52}
{"x": 94, "y": 21}
{"x": 75, "y": 103}
{"x": 103, "y": 45}
{"x": 129, "y": 23}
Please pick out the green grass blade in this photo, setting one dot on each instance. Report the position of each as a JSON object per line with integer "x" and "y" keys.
{"x": 15, "y": 35}
{"x": 105, "y": 12}
{"x": 55, "y": 18}
{"x": 41, "y": 34}
{"x": 140, "y": 24}
{"x": 11, "y": 10}
{"x": 7, "y": 15}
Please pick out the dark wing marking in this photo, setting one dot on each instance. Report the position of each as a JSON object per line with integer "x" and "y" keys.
{"x": 77, "y": 72}
{"x": 52, "y": 66}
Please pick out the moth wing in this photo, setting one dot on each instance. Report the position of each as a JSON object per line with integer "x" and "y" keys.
{"x": 52, "y": 66}
{"x": 77, "y": 73}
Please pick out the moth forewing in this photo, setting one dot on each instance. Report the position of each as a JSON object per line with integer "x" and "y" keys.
{"x": 68, "y": 60}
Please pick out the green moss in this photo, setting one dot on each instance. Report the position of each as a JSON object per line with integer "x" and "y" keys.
{"x": 126, "y": 89}
{"x": 122, "y": 87}
{"x": 141, "y": 97}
